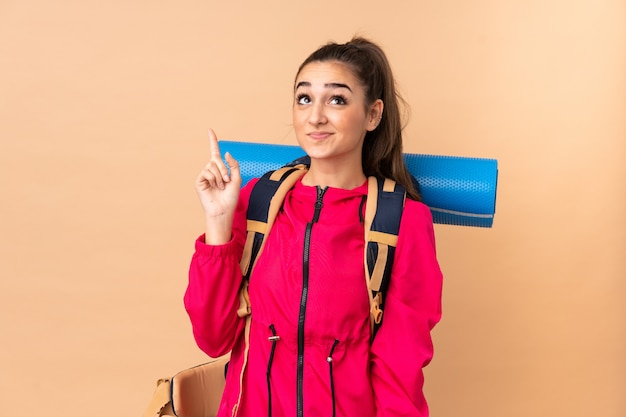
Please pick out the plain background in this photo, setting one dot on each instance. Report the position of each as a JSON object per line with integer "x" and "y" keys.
{"x": 104, "y": 108}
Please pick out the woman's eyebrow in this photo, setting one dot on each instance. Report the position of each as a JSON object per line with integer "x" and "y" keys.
{"x": 327, "y": 85}
{"x": 338, "y": 85}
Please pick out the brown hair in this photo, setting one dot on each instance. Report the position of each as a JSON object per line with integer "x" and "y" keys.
{"x": 382, "y": 148}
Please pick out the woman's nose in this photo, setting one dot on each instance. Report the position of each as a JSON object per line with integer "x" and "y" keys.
{"x": 317, "y": 115}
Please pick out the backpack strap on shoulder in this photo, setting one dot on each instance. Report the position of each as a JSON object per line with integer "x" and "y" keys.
{"x": 385, "y": 204}
{"x": 265, "y": 201}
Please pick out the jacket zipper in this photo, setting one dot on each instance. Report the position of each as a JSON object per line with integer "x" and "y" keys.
{"x": 303, "y": 299}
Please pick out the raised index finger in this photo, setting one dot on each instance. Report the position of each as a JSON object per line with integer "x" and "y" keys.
{"x": 216, "y": 156}
{"x": 214, "y": 147}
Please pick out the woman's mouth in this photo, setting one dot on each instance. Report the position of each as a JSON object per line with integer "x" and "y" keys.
{"x": 318, "y": 135}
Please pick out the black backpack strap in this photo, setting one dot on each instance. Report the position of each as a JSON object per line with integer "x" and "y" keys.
{"x": 265, "y": 201}
{"x": 385, "y": 204}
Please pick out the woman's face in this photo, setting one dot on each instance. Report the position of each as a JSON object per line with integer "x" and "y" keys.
{"x": 330, "y": 114}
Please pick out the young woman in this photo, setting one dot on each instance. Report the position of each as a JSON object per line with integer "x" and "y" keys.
{"x": 310, "y": 322}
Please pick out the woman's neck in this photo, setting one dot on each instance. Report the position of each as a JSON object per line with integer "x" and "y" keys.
{"x": 329, "y": 174}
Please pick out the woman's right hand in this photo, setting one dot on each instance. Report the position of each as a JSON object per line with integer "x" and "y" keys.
{"x": 218, "y": 191}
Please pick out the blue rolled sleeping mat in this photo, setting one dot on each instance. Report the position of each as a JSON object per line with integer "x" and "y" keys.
{"x": 458, "y": 190}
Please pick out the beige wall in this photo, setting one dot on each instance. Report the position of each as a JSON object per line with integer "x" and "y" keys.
{"x": 104, "y": 108}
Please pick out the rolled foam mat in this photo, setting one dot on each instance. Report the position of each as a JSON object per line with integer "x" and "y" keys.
{"x": 458, "y": 190}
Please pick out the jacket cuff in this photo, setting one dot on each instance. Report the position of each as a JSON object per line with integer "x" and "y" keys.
{"x": 212, "y": 251}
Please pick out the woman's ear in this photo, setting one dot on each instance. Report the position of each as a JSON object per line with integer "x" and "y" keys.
{"x": 375, "y": 114}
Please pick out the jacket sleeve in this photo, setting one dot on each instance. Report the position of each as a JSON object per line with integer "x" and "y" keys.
{"x": 212, "y": 295}
{"x": 403, "y": 344}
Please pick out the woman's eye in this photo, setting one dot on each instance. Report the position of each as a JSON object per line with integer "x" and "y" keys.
{"x": 337, "y": 100}
{"x": 303, "y": 99}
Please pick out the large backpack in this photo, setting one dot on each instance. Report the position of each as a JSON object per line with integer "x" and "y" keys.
{"x": 196, "y": 392}
{"x": 381, "y": 223}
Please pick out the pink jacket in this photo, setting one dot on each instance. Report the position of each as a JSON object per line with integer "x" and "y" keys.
{"x": 308, "y": 288}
